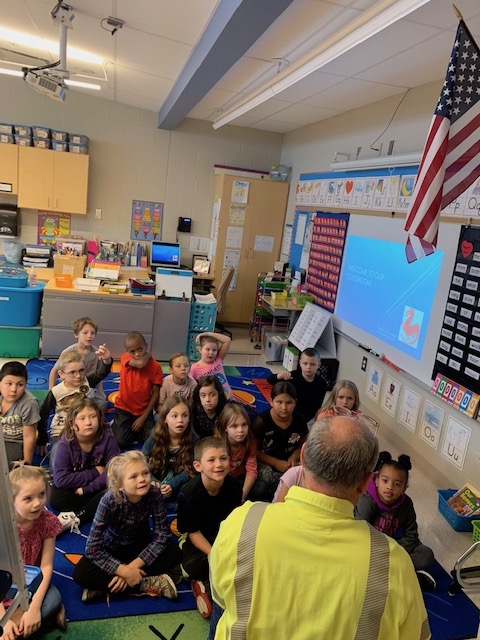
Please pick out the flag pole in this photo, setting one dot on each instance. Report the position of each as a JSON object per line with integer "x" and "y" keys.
{"x": 457, "y": 12}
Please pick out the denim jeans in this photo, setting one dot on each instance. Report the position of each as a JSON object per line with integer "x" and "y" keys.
{"x": 214, "y": 618}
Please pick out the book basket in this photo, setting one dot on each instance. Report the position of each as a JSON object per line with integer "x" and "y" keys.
{"x": 456, "y": 521}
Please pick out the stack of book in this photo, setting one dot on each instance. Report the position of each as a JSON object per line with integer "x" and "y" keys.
{"x": 37, "y": 255}
{"x": 466, "y": 501}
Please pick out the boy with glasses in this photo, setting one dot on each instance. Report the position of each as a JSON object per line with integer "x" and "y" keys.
{"x": 71, "y": 369}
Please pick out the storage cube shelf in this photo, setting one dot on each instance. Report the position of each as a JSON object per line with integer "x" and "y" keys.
{"x": 20, "y": 342}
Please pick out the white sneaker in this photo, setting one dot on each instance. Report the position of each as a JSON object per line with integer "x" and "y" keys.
{"x": 69, "y": 521}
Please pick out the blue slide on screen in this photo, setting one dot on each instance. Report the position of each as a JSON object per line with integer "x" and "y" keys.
{"x": 385, "y": 296}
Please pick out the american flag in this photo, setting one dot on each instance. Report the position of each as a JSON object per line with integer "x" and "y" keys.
{"x": 451, "y": 157}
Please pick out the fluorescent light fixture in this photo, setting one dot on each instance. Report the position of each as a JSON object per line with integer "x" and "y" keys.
{"x": 82, "y": 85}
{"x": 11, "y": 72}
{"x": 400, "y": 160}
{"x": 367, "y": 25}
{"x": 17, "y": 37}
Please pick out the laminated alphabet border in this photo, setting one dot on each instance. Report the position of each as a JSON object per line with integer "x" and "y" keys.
{"x": 376, "y": 189}
{"x": 458, "y": 352}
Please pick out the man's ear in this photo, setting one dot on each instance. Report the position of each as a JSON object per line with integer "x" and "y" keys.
{"x": 197, "y": 466}
{"x": 362, "y": 487}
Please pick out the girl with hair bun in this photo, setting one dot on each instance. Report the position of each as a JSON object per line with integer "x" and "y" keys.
{"x": 386, "y": 506}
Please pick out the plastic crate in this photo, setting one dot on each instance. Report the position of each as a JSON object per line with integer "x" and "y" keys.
{"x": 192, "y": 346}
{"x": 456, "y": 521}
{"x": 202, "y": 316}
{"x": 476, "y": 530}
{"x": 20, "y": 342}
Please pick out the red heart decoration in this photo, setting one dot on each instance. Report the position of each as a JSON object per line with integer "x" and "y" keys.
{"x": 348, "y": 186}
{"x": 466, "y": 248}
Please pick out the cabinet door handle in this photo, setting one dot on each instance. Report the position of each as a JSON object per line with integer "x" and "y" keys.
{"x": 48, "y": 202}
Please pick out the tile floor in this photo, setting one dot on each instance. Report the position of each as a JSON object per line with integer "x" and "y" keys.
{"x": 447, "y": 544}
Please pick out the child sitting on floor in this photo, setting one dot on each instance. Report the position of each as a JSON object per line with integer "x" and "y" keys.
{"x": 140, "y": 380}
{"x": 79, "y": 475}
{"x": 169, "y": 448}
{"x": 310, "y": 386}
{"x": 37, "y": 529}
{"x": 344, "y": 394}
{"x": 233, "y": 427}
{"x": 178, "y": 383}
{"x": 213, "y": 348}
{"x": 203, "y": 503}
{"x": 19, "y": 413}
{"x": 74, "y": 383}
{"x": 207, "y": 404}
{"x": 386, "y": 506}
{"x": 281, "y": 433}
{"x": 123, "y": 554}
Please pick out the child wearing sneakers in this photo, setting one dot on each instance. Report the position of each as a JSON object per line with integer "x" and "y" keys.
{"x": 204, "y": 502}
{"x": 386, "y": 506}
{"x": 123, "y": 554}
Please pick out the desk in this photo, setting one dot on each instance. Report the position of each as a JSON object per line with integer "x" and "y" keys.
{"x": 281, "y": 309}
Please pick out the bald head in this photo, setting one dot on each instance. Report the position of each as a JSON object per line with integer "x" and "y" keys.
{"x": 339, "y": 453}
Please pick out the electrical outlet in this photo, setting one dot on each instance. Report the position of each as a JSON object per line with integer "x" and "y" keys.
{"x": 364, "y": 363}
{"x": 98, "y": 214}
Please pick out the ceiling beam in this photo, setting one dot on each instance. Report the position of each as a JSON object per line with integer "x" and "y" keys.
{"x": 234, "y": 27}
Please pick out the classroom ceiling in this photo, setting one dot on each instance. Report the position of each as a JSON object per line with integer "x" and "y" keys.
{"x": 200, "y": 58}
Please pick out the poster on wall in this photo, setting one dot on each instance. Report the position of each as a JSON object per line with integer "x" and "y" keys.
{"x": 240, "y": 191}
{"x": 147, "y": 220}
{"x": 458, "y": 351}
{"x": 431, "y": 427}
{"x": 374, "y": 382}
{"x": 456, "y": 441}
{"x": 52, "y": 226}
{"x": 409, "y": 409}
{"x": 325, "y": 260}
{"x": 391, "y": 394}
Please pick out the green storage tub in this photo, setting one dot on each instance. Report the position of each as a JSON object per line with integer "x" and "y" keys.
{"x": 20, "y": 342}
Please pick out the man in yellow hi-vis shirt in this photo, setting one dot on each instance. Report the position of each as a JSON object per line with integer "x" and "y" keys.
{"x": 304, "y": 569}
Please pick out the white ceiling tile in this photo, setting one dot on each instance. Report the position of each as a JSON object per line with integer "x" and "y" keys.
{"x": 152, "y": 54}
{"x": 202, "y": 113}
{"x": 418, "y": 65}
{"x": 268, "y": 108}
{"x": 304, "y": 114}
{"x": 309, "y": 86}
{"x": 275, "y": 127}
{"x": 135, "y": 100}
{"x": 143, "y": 84}
{"x": 391, "y": 41}
{"x": 216, "y": 98}
{"x": 353, "y": 93}
{"x": 240, "y": 75}
{"x": 440, "y": 13}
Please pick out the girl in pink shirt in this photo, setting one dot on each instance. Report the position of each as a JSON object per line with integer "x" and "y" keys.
{"x": 233, "y": 426}
{"x": 213, "y": 348}
{"x": 37, "y": 529}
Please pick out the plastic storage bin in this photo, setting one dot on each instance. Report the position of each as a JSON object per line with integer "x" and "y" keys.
{"x": 59, "y": 146}
{"x": 21, "y": 307}
{"x": 275, "y": 347}
{"x": 78, "y": 138}
{"x": 59, "y": 136}
{"x": 23, "y": 141}
{"x": 63, "y": 280}
{"x": 7, "y": 138}
{"x": 20, "y": 342}
{"x": 202, "y": 316}
{"x": 77, "y": 148}
{"x": 23, "y": 130}
{"x": 41, "y": 132}
{"x": 42, "y": 143}
{"x": 6, "y": 128}
{"x": 15, "y": 277}
{"x": 192, "y": 346}
{"x": 476, "y": 530}
{"x": 456, "y": 521}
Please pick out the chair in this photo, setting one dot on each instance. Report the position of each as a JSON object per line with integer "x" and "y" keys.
{"x": 222, "y": 300}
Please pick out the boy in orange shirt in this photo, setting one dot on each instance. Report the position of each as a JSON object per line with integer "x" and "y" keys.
{"x": 140, "y": 380}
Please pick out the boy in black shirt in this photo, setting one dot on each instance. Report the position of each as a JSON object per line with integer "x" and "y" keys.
{"x": 204, "y": 502}
{"x": 310, "y": 387}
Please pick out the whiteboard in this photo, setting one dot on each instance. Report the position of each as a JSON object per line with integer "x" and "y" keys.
{"x": 391, "y": 229}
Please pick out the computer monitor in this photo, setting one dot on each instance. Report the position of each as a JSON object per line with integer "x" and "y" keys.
{"x": 165, "y": 254}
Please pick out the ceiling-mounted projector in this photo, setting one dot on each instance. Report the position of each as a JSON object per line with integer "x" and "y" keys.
{"x": 50, "y": 87}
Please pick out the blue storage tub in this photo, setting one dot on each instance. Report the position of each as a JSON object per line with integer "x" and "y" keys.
{"x": 21, "y": 307}
{"x": 15, "y": 277}
{"x": 455, "y": 520}
{"x": 202, "y": 316}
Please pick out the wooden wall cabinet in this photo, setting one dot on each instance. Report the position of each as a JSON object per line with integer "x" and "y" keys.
{"x": 52, "y": 180}
{"x": 9, "y": 166}
{"x": 261, "y": 236}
